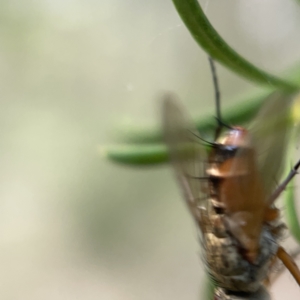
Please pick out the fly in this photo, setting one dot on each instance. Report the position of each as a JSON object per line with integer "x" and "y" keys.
{"x": 231, "y": 191}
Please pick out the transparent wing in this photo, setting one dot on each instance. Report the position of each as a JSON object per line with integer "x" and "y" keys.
{"x": 188, "y": 157}
{"x": 270, "y": 131}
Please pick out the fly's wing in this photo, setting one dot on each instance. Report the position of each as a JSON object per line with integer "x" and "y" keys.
{"x": 270, "y": 131}
{"x": 188, "y": 158}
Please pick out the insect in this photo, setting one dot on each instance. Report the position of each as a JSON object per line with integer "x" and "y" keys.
{"x": 231, "y": 189}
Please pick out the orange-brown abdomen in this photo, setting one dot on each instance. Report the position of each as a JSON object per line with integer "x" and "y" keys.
{"x": 239, "y": 188}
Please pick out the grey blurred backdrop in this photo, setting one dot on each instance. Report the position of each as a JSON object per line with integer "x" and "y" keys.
{"x": 72, "y": 225}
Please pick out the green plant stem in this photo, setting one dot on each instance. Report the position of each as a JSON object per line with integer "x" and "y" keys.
{"x": 134, "y": 155}
{"x": 208, "y": 38}
{"x": 209, "y": 289}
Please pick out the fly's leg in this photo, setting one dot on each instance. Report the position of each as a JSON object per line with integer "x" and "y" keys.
{"x": 289, "y": 263}
{"x": 273, "y": 276}
{"x": 283, "y": 185}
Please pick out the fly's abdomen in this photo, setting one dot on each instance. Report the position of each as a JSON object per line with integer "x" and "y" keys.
{"x": 229, "y": 268}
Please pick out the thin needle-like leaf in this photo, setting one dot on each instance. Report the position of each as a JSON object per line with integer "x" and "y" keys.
{"x": 209, "y": 39}
{"x": 291, "y": 213}
{"x": 136, "y": 155}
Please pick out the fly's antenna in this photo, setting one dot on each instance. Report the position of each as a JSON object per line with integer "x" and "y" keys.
{"x": 217, "y": 96}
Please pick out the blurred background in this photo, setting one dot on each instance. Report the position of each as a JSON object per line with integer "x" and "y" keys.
{"x": 73, "y": 225}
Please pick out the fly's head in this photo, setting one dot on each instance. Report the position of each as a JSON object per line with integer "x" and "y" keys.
{"x": 236, "y": 137}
